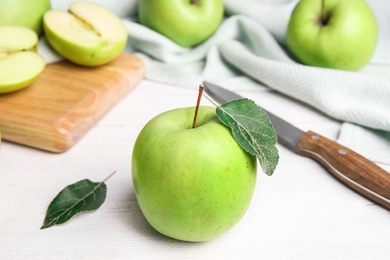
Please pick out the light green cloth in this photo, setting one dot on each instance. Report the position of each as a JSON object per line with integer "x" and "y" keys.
{"x": 248, "y": 52}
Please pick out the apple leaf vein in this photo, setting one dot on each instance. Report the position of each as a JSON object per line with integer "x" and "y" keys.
{"x": 75, "y": 198}
{"x": 252, "y": 130}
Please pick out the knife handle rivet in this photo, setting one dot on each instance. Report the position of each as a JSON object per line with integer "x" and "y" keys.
{"x": 342, "y": 151}
{"x": 315, "y": 137}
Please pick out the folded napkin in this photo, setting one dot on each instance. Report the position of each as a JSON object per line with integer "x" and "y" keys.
{"x": 248, "y": 52}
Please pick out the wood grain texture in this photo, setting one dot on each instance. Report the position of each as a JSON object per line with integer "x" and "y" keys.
{"x": 65, "y": 102}
{"x": 355, "y": 171}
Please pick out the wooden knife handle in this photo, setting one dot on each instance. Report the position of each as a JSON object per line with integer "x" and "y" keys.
{"x": 357, "y": 172}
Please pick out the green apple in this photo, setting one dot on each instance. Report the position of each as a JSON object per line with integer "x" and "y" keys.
{"x": 185, "y": 22}
{"x": 335, "y": 34}
{"x": 20, "y": 64}
{"x": 88, "y": 34}
{"x": 192, "y": 184}
{"x": 24, "y": 13}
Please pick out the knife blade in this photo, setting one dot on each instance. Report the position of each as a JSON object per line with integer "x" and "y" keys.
{"x": 349, "y": 167}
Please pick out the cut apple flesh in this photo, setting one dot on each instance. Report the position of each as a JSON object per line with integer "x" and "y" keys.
{"x": 106, "y": 25}
{"x": 14, "y": 38}
{"x": 19, "y": 70}
{"x": 88, "y": 34}
{"x": 20, "y": 65}
{"x": 72, "y": 29}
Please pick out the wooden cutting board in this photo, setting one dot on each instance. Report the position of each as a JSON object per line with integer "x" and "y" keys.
{"x": 65, "y": 102}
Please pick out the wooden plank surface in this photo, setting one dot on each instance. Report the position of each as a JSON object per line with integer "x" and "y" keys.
{"x": 65, "y": 102}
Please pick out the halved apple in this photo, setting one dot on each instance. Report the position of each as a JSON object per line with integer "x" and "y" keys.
{"x": 20, "y": 64}
{"x": 88, "y": 34}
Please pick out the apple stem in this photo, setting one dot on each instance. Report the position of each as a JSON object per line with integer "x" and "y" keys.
{"x": 109, "y": 176}
{"x": 195, "y": 2}
{"x": 324, "y": 16}
{"x": 201, "y": 88}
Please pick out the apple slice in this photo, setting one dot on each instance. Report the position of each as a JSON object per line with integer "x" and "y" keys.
{"x": 20, "y": 65}
{"x": 88, "y": 34}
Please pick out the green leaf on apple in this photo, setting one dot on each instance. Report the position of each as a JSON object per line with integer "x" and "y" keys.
{"x": 78, "y": 197}
{"x": 252, "y": 130}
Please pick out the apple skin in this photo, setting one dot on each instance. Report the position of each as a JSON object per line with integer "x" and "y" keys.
{"x": 24, "y": 13}
{"x": 347, "y": 41}
{"x": 98, "y": 38}
{"x": 20, "y": 64}
{"x": 20, "y": 67}
{"x": 192, "y": 184}
{"x": 183, "y": 22}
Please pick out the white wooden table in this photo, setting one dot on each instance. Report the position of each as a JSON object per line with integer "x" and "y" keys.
{"x": 301, "y": 212}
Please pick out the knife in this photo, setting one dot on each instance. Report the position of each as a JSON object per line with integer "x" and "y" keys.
{"x": 351, "y": 168}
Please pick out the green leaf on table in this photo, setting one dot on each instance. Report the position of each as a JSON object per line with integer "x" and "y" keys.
{"x": 78, "y": 197}
{"x": 252, "y": 130}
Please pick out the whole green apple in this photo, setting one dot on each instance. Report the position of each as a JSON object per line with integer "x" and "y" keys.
{"x": 192, "y": 184}
{"x": 24, "y": 13}
{"x": 185, "y": 22}
{"x": 87, "y": 34}
{"x": 20, "y": 64}
{"x": 335, "y": 34}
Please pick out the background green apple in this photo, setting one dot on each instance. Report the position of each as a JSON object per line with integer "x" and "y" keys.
{"x": 185, "y": 22}
{"x": 20, "y": 65}
{"x": 88, "y": 34}
{"x": 26, "y": 13}
{"x": 192, "y": 184}
{"x": 342, "y": 37}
